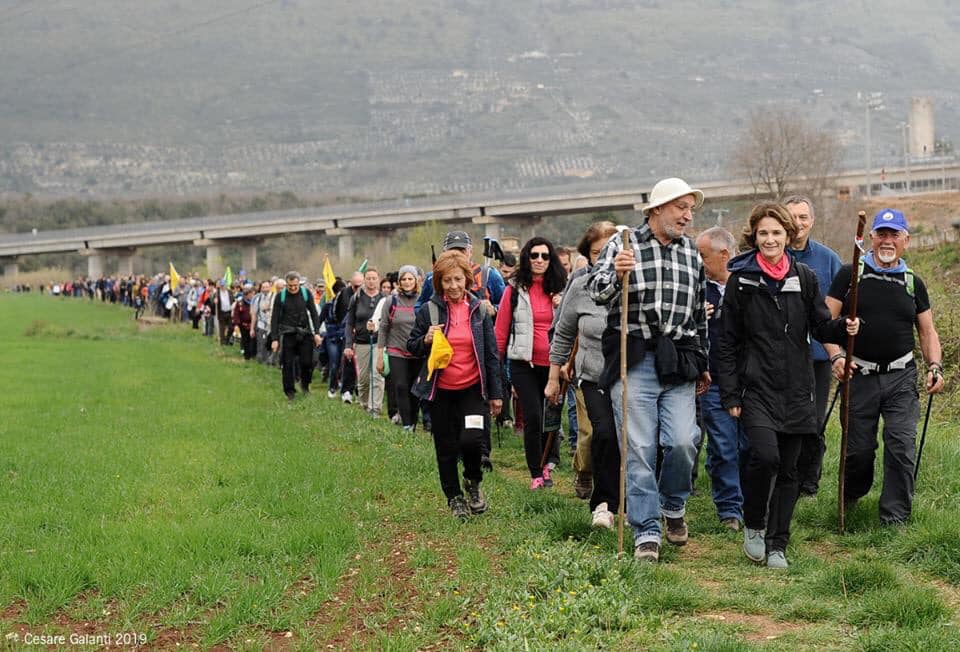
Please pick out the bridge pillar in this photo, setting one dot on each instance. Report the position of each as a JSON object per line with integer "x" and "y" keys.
{"x": 492, "y": 230}
{"x": 381, "y": 244}
{"x": 248, "y": 257}
{"x": 345, "y": 247}
{"x": 11, "y": 268}
{"x": 215, "y": 266}
{"x": 125, "y": 261}
{"x": 528, "y": 229}
{"x": 94, "y": 263}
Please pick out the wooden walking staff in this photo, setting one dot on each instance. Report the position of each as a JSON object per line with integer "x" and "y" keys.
{"x": 845, "y": 418}
{"x": 624, "y": 307}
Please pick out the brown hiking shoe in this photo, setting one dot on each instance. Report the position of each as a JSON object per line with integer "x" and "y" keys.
{"x": 583, "y": 486}
{"x": 647, "y": 551}
{"x": 676, "y": 530}
{"x": 732, "y": 524}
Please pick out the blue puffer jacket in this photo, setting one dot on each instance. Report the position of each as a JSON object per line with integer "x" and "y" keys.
{"x": 484, "y": 348}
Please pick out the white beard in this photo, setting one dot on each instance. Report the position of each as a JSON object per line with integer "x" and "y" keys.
{"x": 887, "y": 257}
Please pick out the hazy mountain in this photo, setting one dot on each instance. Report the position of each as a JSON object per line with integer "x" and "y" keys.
{"x": 380, "y": 98}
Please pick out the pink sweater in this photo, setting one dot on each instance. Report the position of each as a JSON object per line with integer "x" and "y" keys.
{"x": 542, "y": 306}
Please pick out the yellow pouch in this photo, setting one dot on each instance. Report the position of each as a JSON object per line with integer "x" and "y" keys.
{"x": 440, "y": 353}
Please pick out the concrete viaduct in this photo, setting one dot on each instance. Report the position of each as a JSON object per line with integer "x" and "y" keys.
{"x": 382, "y": 219}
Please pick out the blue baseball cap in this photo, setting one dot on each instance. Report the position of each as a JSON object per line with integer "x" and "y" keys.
{"x": 890, "y": 218}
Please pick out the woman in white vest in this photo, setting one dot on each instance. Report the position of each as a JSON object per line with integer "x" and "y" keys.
{"x": 523, "y": 322}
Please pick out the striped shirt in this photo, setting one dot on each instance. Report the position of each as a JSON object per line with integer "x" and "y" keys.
{"x": 667, "y": 287}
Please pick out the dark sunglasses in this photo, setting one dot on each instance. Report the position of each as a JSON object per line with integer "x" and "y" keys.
{"x": 542, "y": 255}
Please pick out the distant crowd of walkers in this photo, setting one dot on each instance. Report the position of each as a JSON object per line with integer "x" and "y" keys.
{"x": 732, "y": 345}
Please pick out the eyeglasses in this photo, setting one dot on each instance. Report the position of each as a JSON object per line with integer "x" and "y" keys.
{"x": 542, "y": 255}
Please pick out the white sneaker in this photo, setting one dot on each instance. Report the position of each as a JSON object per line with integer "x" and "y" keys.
{"x": 347, "y": 397}
{"x": 602, "y": 517}
{"x": 395, "y": 419}
{"x": 331, "y": 393}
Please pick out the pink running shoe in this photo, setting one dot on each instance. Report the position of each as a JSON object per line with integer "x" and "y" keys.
{"x": 547, "y": 482}
{"x": 536, "y": 483}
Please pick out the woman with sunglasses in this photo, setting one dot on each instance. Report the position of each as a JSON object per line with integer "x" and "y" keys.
{"x": 523, "y": 322}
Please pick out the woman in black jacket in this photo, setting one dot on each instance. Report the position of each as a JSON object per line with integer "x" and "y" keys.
{"x": 466, "y": 392}
{"x": 771, "y": 308}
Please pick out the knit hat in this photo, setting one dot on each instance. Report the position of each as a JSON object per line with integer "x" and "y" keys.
{"x": 407, "y": 269}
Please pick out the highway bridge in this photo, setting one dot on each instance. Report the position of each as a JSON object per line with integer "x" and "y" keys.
{"x": 382, "y": 219}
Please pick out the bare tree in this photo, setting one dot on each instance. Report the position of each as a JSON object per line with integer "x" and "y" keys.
{"x": 782, "y": 153}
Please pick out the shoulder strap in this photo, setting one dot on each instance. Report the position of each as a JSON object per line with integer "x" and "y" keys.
{"x": 434, "y": 311}
{"x": 393, "y": 308}
{"x": 283, "y": 296}
{"x": 908, "y": 280}
{"x": 304, "y": 293}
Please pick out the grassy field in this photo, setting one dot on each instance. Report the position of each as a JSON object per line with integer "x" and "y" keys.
{"x": 153, "y": 486}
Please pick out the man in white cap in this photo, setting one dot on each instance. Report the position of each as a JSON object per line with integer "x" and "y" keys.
{"x": 892, "y": 302}
{"x": 666, "y": 358}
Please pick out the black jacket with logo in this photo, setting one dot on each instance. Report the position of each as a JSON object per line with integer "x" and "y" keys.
{"x": 764, "y": 362}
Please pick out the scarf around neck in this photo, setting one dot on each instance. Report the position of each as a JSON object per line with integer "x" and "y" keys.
{"x": 776, "y": 272}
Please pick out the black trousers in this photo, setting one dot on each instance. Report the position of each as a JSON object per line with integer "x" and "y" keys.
{"x": 404, "y": 372}
{"x": 769, "y": 484}
{"x": 604, "y": 447}
{"x": 530, "y": 381}
{"x": 810, "y": 464}
{"x": 296, "y": 353}
{"x": 247, "y": 343}
{"x": 453, "y": 440}
{"x": 893, "y": 396}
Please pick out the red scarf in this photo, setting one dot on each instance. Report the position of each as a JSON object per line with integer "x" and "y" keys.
{"x": 776, "y": 272}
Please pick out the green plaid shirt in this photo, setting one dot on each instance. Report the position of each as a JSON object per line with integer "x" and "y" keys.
{"x": 667, "y": 287}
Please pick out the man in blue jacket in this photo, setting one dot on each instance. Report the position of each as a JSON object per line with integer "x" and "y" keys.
{"x": 825, "y": 263}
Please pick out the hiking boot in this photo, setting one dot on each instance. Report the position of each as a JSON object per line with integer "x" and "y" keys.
{"x": 677, "y": 533}
{"x": 647, "y": 551}
{"x": 291, "y": 395}
{"x": 486, "y": 463}
{"x": 475, "y": 499}
{"x": 536, "y": 483}
{"x": 602, "y": 517}
{"x": 776, "y": 559}
{"x": 458, "y": 506}
{"x": 547, "y": 482}
{"x": 732, "y": 524}
{"x": 754, "y": 546}
{"x": 305, "y": 389}
{"x": 408, "y": 429}
{"x": 346, "y": 397}
{"x": 395, "y": 419}
{"x": 583, "y": 485}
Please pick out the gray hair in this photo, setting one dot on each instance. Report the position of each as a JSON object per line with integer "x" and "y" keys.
{"x": 721, "y": 239}
{"x": 800, "y": 199}
{"x": 292, "y": 276}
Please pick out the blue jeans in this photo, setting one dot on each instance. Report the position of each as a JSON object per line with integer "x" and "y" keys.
{"x": 726, "y": 442}
{"x": 664, "y": 415}
{"x": 333, "y": 344}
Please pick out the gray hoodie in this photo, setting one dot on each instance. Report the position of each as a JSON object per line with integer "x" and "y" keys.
{"x": 579, "y": 314}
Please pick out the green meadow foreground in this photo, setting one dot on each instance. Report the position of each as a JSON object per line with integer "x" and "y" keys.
{"x": 155, "y": 489}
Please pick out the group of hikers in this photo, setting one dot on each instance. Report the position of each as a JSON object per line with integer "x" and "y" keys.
{"x": 732, "y": 344}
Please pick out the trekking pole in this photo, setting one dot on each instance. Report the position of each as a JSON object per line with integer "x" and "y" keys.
{"x": 923, "y": 438}
{"x": 826, "y": 419}
{"x": 845, "y": 419}
{"x": 624, "y": 304}
{"x": 371, "y": 381}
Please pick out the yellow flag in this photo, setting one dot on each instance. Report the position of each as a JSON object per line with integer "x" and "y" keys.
{"x": 440, "y": 353}
{"x": 174, "y": 278}
{"x": 329, "y": 278}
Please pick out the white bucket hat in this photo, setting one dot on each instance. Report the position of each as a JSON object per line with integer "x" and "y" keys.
{"x": 667, "y": 190}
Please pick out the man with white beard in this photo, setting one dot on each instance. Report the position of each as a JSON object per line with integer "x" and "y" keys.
{"x": 892, "y": 300}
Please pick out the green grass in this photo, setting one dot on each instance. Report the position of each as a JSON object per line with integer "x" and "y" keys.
{"x": 150, "y": 482}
